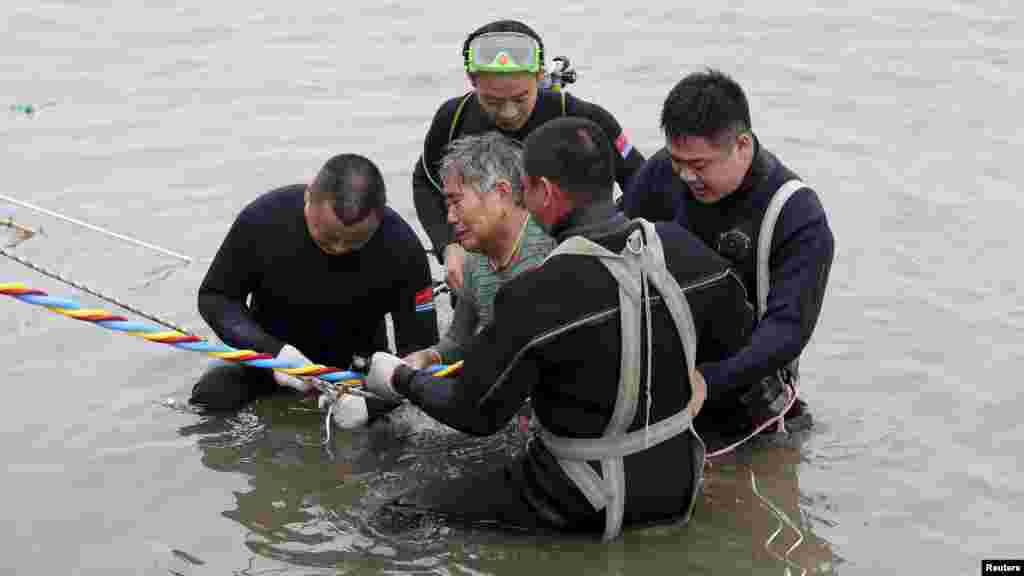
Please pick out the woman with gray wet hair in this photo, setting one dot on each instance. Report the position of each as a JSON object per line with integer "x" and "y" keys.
{"x": 484, "y": 185}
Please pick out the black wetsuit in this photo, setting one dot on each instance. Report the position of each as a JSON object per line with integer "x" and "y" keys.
{"x": 801, "y": 257}
{"x": 555, "y": 337}
{"x": 270, "y": 285}
{"x": 426, "y": 181}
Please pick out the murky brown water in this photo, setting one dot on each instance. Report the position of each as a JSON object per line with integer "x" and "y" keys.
{"x": 166, "y": 121}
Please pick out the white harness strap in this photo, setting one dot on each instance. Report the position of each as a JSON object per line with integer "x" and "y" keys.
{"x": 764, "y": 249}
{"x": 631, "y": 269}
{"x": 764, "y": 240}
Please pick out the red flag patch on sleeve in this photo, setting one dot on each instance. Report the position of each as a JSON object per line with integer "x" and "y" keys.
{"x": 425, "y": 300}
{"x": 623, "y": 145}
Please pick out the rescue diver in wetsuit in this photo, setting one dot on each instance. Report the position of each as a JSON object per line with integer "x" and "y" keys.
{"x": 504, "y": 61}
{"x": 308, "y": 273}
{"x": 716, "y": 180}
{"x": 602, "y": 337}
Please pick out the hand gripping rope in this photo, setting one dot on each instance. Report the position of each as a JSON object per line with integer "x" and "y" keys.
{"x": 154, "y": 333}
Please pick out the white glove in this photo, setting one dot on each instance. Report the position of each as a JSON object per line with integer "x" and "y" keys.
{"x": 290, "y": 354}
{"x": 349, "y": 411}
{"x": 382, "y": 368}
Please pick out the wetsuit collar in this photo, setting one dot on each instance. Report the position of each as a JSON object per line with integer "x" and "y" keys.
{"x": 590, "y": 222}
{"x": 547, "y": 101}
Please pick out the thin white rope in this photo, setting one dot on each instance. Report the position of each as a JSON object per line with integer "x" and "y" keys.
{"x": 95, "y": 228}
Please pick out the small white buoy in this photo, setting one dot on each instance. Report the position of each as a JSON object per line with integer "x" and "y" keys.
{"x": 170, "y": 401}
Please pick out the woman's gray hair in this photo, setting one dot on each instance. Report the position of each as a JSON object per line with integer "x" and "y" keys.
{"x": 485, "y": 159}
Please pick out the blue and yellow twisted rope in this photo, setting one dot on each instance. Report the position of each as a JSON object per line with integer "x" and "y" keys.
{"x": 155, "y": 333}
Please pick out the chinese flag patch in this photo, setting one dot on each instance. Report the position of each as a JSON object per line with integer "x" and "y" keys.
{"x": 425, "y": 300}
{"x": 623, "y": 145}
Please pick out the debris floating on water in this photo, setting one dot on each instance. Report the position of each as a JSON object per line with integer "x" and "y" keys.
{"x": 21, "y": 232}
{"x": 29, "y": 109}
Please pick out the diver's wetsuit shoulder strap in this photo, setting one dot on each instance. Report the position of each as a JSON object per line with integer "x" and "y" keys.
{"x": 608, "y": 491}
{"x": 425, "y": 155}
{"x": 458, "y": 114}
{"x": 671, "y": 292}
{"x": 641, "y": 259}
{"x": 626, "y": 275}
{"x": 790, "y": 372}
{"x": 653, "y": 264}
{"x": 764, "y": 240}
